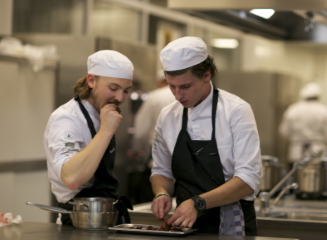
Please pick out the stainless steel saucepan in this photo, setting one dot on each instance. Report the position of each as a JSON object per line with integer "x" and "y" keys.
{"x": 311, "y": 175}
{"x": 83, "y": 219}
{"x": 272, "y": 172}
{"x": 94, "y": 204}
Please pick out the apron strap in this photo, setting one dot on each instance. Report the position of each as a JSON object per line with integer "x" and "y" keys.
{"x": 184, "y": 120}
{"x": 87, "y": 117}
{"x": 214, "y": 111}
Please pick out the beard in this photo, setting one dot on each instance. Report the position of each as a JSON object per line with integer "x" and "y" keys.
{"x": 114, "y": 101}
{"x": 97, "y": 103}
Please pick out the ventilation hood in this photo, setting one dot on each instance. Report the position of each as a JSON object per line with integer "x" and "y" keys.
{"x": 293, "y": 20}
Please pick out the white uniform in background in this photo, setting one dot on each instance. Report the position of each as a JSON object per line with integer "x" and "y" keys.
{"x": 146, "y": 117}
{"x": 305, "y": 122}
{"x": 144, "y": 125}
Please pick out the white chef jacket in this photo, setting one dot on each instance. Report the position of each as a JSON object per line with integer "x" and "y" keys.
{"x": 146, "y": 117}
{"x": 66, "y": 134}
{"x": 236, "y": 135}
{"x": 304, "y": 121}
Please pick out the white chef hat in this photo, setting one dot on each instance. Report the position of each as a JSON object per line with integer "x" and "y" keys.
{"x": 109, "y": 63}
{"x": 183, "y": 53}
{"x": 161, "y": 75}
{"x": 310, "y": 90}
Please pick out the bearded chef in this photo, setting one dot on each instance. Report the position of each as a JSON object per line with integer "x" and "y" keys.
{"x": 79, "y": 139}
{"x": 206, "y": 150}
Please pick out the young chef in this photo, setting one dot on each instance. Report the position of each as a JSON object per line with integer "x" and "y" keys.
{"x": 206, "y": 149}
{"x": 79, "y": 138}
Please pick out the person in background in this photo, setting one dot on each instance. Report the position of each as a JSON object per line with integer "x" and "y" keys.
{"x": 79, "y": 139}
{"x": 304, "y": 125}
{"x": 144, "y": 130}
{"x": 206, "y": 149}
{"x": 147, "y": 115}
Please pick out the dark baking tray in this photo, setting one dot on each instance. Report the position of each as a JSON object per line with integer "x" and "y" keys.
{"x": 123, "y": 228}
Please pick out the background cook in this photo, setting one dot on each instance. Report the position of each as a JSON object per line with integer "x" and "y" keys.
{"x": 304, "y": 125}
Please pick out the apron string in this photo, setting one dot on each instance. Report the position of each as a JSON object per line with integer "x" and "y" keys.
{"x": 87, "y": 116}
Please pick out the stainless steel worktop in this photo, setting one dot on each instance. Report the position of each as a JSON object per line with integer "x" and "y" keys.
{"x": 290, "y": 218}
{"x": 51, "y": 231}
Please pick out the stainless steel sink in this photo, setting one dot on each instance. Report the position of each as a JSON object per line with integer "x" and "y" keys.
{"x": 302, "y": 216}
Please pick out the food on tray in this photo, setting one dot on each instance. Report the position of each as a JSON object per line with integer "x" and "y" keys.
{"x": 164, "y": 227}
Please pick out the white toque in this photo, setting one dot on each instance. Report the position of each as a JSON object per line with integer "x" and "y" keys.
{"x": 183, "y": 53}
{"x": 310, "y": 90}
{"x": 109, "y": 63}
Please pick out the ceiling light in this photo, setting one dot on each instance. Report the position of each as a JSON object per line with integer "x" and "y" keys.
{"x": 264, "y": 13}
{"x": 224, "y": 43}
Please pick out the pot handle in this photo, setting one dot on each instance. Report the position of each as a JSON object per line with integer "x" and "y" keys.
{"x": 49, "y": 208}
{"x": 79, "y": 203}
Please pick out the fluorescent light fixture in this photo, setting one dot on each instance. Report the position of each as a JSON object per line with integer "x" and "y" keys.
{"x": 224, "y": 43}
{"x": 264, "y": 13}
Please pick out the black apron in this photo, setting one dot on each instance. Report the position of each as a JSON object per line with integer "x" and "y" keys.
{"x": 197, "y": 168}
{"x": 105, "y": 183}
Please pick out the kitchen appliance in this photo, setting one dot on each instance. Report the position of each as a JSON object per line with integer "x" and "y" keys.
{"x": 88, "y": 218}
{"x": 272, "y": 172}
{"x": 311, "y": 177}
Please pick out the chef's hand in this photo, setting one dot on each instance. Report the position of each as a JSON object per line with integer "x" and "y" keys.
{"x": 2, "y": 218}
{"x": 110, "y": 118}
{"x": 184, "y": 216}
{"x": 161, "y": 206}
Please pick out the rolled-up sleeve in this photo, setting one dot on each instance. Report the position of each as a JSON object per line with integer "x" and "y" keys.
{"x": 246, "y": 147}
{"x": 64, "y": 141}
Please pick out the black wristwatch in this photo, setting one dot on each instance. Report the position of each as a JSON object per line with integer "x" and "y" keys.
{"x": 199, "y": 203}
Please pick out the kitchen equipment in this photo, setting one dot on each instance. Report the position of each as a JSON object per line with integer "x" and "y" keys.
{"x": 142, "y": 229}
{"x": 311, "y": 176}
{"x": 272, "y": 172}
{"x": 94, "y": 204}
{"x": 324, "y": 167}
{"x": 85, "y": 220}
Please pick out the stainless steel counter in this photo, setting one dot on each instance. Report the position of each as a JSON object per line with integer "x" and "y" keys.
{"x": 301, "y": 219}
{"x": 290, "y": 218}
{"x": 51, "y": 231}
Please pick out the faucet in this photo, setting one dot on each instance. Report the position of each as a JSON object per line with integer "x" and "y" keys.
{"x": 265, "y": 206}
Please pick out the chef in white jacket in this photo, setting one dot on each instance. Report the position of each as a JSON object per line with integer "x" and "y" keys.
{"x": 79, "y": 139}
{"x": 304, "y": 125}
{"x": 206, "y": 150}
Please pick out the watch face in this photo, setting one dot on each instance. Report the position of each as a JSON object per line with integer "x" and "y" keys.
{"x": 199, "y": 203}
